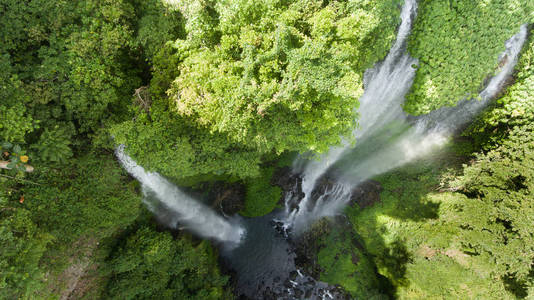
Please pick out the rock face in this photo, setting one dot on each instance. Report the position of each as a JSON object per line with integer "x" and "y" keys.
{"x": 291, "y": 185}
{"x": 285, "y": 178}
{"x": 228, "y": 198}
{"x": 324, "y": 184}
{"x": 366, "y": 194}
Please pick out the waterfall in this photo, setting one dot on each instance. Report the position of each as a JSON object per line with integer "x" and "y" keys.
{"x": 434, "y": 129}
{"x": 389, "y": 138}
{"x": 385, "y": 86}
{"x": 168, "y": 202}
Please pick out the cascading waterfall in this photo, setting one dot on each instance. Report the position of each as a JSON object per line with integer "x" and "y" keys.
{"x": 179, "y": 208}
{"x": 266, "y": 262}
{"x": 385, "y": 87}
{"x": 435, "y": 128}
{"x": 380, "y": 107}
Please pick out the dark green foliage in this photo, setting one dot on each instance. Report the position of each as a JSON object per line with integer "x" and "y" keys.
{"x": 89, "y": 200}
{"x": 497, "y": 217}
{"x": 458, "y": 43}
{"x": 166, "y": 144}
{"x": 276, "y": 75}
{"x": 250, "y": 79}
{"x": 261, "y": 197}
{"x": 90, "y": 197}
{"x": 14, "y": 123}
{"x": 63, "y": 64}
{"x": 343, "y": 262}
{"x": 159, "y": 24}
{"x": 473, "y": 243}
{"x": 67, "y": 72}
{"x": 175, "y": 146}
{"x": 22, "y": 244}
{"x": 54, "y": 145}
{"x": 411, "y": 236}
{"x": 228, "y": 86}
{"x": 153, "y": 265}
{"x": 500, "y": 185}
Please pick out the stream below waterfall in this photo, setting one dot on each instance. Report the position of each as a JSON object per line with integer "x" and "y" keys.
{"x": 264, "y": 265}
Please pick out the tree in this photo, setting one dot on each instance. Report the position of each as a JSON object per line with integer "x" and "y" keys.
{"x": 497, "y": 215}
{"x": 151, "y": 264}
{"x": 251, "y": 79}
{"x": 279, "y": 76}
{"x": 66, "y": 69}
{"x": 22, "y": 245}
{"x": 90, "y": 197}
{"x": 446, "y": 38}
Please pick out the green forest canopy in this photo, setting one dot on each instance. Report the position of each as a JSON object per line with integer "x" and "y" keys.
{"x": 217, "y": 90}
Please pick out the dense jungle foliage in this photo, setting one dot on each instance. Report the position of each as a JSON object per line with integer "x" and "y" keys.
{"x": 450, "y": 37}
{"x": 206, "y": 90}
{"x": 456, "y": 224}
{"x": 250, "y": 79}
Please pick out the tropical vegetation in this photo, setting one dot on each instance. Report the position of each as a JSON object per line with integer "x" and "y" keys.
{"x": 206, "y": 91}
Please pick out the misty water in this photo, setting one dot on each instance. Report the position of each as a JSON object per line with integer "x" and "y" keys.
{"x": 177, "y": 209}
{"x": 257, "y": 251}
{"x": 391, "y": 138}
{"x": 385, "y": 86}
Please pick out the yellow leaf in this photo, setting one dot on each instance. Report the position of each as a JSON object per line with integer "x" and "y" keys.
{"x": 24, "y": 158}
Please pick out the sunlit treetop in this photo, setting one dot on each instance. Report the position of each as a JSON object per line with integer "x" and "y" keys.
{"x": 279, "y": 75}
{"x": 458, "y": 44}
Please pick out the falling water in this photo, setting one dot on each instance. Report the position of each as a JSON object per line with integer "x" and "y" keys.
{"x": 389, "y": 138}
{"x": 179, "y": 208}
{"x": 385, "y": 87}
{"x": 434, "y": 129}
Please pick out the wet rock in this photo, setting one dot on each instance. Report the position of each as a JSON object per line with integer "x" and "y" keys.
{"x": 291, "y": 185}
{"x": 228, "y": 198}
{"x": 269, "y": 294}
{"x": 307, "y": 246}
{"x": 324, "y": 185}
{"x": 293, "y": 275}
{"x": 285, "y": 178}
{"x": 366, "y": 194}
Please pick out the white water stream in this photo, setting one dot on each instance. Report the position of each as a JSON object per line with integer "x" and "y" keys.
{"x": 385, "y": 87}
{"x": 181, "y": 209}
{"x": 380, "y": 106}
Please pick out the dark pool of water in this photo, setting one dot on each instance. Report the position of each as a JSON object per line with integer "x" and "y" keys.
{"x": 264, "y": 265}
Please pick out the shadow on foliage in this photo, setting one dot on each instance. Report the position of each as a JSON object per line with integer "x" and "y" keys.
{"x": 404, "y": 198}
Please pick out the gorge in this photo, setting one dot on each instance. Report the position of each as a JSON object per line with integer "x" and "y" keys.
{"x": 257, "y": 249}
{"x": 267, "y": 149}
